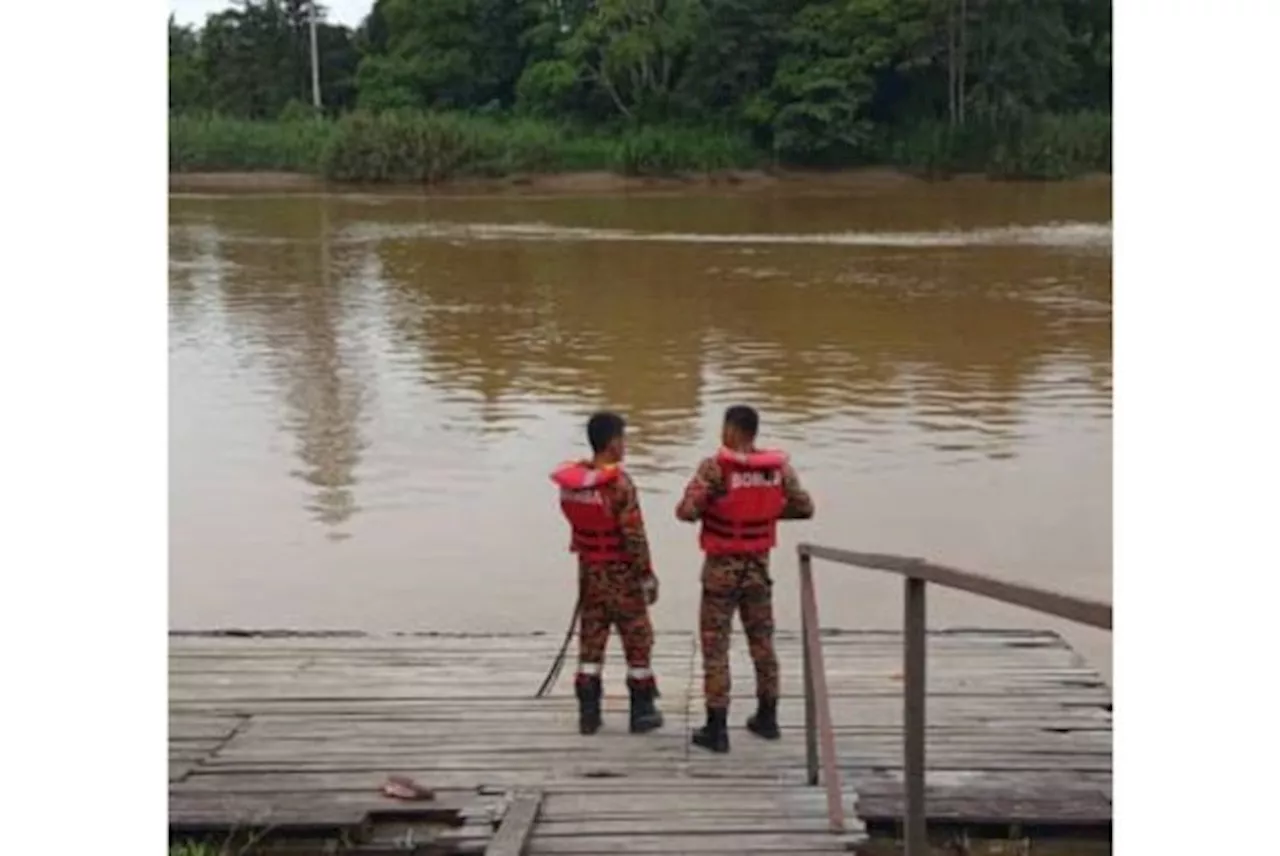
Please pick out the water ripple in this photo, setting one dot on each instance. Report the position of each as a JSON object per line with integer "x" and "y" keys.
{"x": 1064, "y": 235}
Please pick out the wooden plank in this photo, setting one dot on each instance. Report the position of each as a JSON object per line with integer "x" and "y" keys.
{"x": 246, "y": 700}
{"x": 189, "y": 726}
{"x": 670, "y": 823}
{"x": 822, "y": 842}
{"x": 862, "y": 745}
{"x": 192, "y": 755}
{"x": 1017, "y": 724}
{"x": 634, "y": 784}
{"x": 517, "y": 824}
{"x": 1086, "y": 611}
{"x": 850, "y": 758}
{"x": 504, "y": 708}
{"x": 312, "y": 814}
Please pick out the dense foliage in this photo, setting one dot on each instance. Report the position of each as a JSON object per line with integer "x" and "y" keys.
{"x": 1010, "y": 86}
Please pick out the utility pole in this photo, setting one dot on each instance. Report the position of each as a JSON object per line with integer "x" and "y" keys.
{"x": 315, "y": 58}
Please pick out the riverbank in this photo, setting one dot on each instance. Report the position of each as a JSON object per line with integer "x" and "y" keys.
{"x": 864, "y": 179}
{"x": 436, "y": 148}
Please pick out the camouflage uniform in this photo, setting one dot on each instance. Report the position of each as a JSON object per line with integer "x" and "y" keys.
{"x": 615, "y": 594}
{"x": 737, "y": 583}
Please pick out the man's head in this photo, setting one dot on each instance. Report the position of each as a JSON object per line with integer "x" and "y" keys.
{"x": 741, "y": 423}
{"x": 606, "y": 433}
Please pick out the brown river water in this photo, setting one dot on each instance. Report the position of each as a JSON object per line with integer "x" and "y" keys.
{"x": 367, "y": 393}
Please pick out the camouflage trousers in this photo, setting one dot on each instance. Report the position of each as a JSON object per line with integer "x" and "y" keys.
{"x": 612, "y": 596}
{"x": 738, "y": 584}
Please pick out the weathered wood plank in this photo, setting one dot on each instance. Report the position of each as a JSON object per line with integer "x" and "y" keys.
{"x": 822, "y": 842}
{"x": 1017, "y": 724}
{"x": 563, "y": 736}
{"x": 867, "y": 710}
{"x": 685, "y": 823}
{"x": 313, "y": 814}
{"x": 512, "y": 837}
{"x": 633, "y": 784}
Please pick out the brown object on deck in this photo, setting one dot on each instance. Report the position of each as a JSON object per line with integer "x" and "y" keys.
{"x": 405, "y": 788}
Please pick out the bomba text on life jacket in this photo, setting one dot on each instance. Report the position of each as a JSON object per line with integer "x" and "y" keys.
{"x": 766, "y": 478}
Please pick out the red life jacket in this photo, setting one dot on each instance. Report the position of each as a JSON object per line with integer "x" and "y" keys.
{"x": 744, "y": 519}
{"x": 597, "y": 537}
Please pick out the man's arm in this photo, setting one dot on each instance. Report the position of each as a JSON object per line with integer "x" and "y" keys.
{"x": 631, "y": 521}
{"x": 799, "y": 503}
{"x": 707, "y": 483}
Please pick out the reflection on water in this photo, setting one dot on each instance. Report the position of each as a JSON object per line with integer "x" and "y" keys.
{"x": 367, "y": 392}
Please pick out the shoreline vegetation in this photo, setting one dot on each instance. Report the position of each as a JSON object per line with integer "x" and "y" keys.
{"x": 447, "y": 91}
{"x": 407, "y": 148}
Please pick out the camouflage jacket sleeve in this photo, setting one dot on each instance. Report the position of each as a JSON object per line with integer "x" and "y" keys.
{"x": 631, "y": 521}
{"x": 799, "y": 503}
{"x": 707, "y": 483}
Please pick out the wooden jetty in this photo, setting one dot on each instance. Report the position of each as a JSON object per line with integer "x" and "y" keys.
{"x": 287, "y": 738}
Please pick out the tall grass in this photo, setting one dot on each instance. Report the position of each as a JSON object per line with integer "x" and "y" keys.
{"x": 435, "y": 147}
{"x": 1036, "y": 147}
{"x": 221, "y": 144}
{"x": 432, "y": 147}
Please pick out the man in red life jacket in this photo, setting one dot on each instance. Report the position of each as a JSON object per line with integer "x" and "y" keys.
{"x": 616, "y": 579}
{"x": 739, "y": 495}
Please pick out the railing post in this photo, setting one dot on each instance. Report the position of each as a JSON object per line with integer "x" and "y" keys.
{"x": 914, "y": 642}
{"x": 820, "y": 748}
{"x": 821, "y": 701}
{"x": 810, "y": 712}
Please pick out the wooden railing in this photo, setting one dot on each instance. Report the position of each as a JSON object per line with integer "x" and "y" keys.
{"x": 820, "y": 741}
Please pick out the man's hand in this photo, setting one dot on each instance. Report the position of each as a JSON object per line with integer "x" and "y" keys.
{"x": 649, "y": 585}
{"x": 799, "y": 503}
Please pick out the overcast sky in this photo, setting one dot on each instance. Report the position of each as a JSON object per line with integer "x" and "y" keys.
{"x": 349, "y": 12}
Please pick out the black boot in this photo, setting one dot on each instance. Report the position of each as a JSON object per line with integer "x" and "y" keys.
{"x": 589, "y": 691}
{"x": 645, "y": 715}
{"x": 715, "y": 734}
{"x": 764, "y": 722}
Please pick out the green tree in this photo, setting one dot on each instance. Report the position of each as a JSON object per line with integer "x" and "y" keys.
{"x": 339, "y": 59}
{"x": 816, "y": 107}
{"x": 1089, "y": 25}
{"x": 944, "y": 84}
{"x": 636, "y": 52}
{"x": 254, "y": 59}
{"x": 186, "y": 83}
{"x": 1020, "y": 57}
{"x": 551, "y": 84}
{"x": 736, "y": 51}
{"x": 247, "y": 60}
{"x": 441, "y": 53}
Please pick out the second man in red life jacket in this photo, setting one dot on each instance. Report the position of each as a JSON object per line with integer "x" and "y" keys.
{"x": 739, "y": 495}
{"x": 616, "y": 579}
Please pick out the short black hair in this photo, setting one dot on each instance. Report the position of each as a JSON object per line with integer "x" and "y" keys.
{"x": 603, "y": 428}
{"x": 744, "y": 418}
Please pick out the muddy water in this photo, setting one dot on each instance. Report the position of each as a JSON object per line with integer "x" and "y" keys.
{"x": 367, "y": 393}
